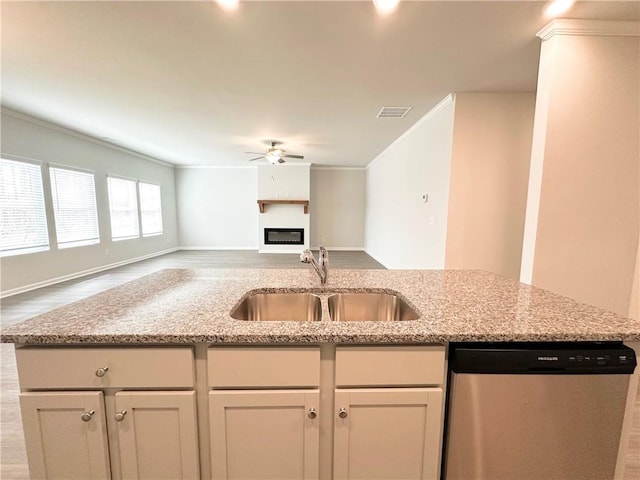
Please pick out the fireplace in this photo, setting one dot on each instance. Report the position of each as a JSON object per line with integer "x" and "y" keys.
{"x": 284, "y": 236}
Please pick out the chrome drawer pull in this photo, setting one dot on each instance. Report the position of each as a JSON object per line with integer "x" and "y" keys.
{"x": 312, "y": 413}
{"x": 101, "y": 371}
{"x": 120, "y": 415}
{"x": 342, "y": 413}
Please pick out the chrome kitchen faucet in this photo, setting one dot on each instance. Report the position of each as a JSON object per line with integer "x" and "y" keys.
{"x": 321, "y": 266}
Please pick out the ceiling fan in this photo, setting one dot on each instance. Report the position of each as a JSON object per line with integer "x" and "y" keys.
{"x": 274, "y": 154}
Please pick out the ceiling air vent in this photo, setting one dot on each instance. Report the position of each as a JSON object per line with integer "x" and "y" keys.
{"x": 393, "y": 112}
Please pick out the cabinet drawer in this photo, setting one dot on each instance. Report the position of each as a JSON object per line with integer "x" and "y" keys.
{"x": 158, "y": 367}
{"x": 264, "y": 367}
{"x": 389, "y": 366}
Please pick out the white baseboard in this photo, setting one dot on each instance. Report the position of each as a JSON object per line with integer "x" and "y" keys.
{"x": 298, "y": 251}
{"x": 218, "y": 248}
{"x": 341, "y": 249}
{"x": 71, "y": 276}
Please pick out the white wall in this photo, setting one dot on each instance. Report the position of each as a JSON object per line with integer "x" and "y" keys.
{"x": 337, "y": 207}
{"x": 217, "y": 207}
{"x": 401, "y": 231}
{"x": 283, "y": 182}
{"x": 585, "y": 203}
{"x": 210, "y": 197}
{"x": 28, "y": 138}
{"x": 489, "y": 176}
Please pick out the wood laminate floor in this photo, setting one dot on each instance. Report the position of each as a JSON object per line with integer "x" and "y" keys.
{"x": 13, "y": 463}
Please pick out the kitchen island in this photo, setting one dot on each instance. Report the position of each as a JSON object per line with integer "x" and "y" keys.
{"x": 167, "y": 343}
{"x": 193, "y": 306}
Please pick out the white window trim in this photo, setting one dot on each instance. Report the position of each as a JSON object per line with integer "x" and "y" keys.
{"x": 135, "y": 181}
{"x": 43, "y": 175}
{"x": 154, "y": 234}
{"x": 76, "y": 243}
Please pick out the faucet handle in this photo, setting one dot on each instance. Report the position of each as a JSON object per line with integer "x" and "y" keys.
{"x": 306, "y": 255}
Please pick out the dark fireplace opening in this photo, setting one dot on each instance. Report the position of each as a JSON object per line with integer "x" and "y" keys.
{"x": 284, "y": 236}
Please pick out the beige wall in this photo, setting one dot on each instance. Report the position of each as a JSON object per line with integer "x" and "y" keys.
{"x": 489, "y": 176}
{"x": 634, "y": 303}
{"x": 586, "y": 241}
{"x": 336, "y": 208}
{"x": 217, "y": 207}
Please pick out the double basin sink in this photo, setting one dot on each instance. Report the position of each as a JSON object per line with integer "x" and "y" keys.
{"x": 370, "y": 306}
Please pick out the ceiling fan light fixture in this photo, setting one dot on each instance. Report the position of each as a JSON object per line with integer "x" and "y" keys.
{"x": 274, "y": 155}
{"x": 385, "y": 6}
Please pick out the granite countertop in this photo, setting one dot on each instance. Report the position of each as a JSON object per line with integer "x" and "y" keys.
{"x": 181, "y": 306}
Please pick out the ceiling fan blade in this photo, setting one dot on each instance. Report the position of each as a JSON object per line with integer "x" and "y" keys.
{"x": 257, "y": 158}
{"x": 294, "y": 156}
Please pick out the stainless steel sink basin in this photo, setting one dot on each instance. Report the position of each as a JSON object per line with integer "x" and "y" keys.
{"x": 276, "y": 307}
{"x": 376, "y": 307}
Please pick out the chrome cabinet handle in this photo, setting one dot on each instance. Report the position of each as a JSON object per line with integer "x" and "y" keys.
{"x": 312, "y": 413}
{"x": 120, "y": 415}
{"x": 101, "y": 371}
{"x": 342, "y": 413}
{"x": 86, "y": 416}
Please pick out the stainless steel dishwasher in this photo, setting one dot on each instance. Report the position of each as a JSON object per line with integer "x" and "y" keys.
{"x": 535, "y": 411}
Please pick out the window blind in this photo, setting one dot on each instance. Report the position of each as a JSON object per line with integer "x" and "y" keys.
{"x": 23, "y": 220}
{"x": 150, "y": 209}
{"x": 123, "y": 207}
{"x": 74, "y": 207}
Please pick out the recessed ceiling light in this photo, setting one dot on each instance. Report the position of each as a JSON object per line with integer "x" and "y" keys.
{"x": 556, "y": 7}
{"x": 385, "y": 6}
{"x": 228, "y": 4}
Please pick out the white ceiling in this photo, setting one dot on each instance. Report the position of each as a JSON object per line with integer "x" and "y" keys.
{"x": 192, "y": 84}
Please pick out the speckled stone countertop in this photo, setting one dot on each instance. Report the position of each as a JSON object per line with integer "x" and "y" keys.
{"x": 180, "y": 306}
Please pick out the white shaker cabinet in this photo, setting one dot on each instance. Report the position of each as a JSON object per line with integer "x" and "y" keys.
{"x": 387, "y": 433}
{"x": 233, "y": 412}
{"x": 157, "y": 435}
{"x": 66, "y": 435}
{"x": 393, "y": 430}
{"x": 124, "y": 413}
{"x": 263, "y": 412}
{"x": 264, "y": 434}
{"x": 376, "y": 409}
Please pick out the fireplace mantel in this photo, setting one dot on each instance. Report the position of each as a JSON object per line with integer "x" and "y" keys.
{"x": 304, "y": 203}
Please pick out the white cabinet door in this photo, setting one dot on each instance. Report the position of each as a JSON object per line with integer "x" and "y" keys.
{"x": 66, "y": 435}
{"x": 391, "y": 433}
{"x": 266, "y": 434}
{"x": 157, "y": 435}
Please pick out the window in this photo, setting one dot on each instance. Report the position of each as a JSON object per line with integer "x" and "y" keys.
{"x": 150, "y": 209}
{"x": 74, "y": 207}
{"x": 23, "y": 221}
{"x": 123, "y": 206}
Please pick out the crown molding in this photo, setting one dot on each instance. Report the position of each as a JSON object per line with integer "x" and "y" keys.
{"x": 603, "y": 28}
{"x": 335, "y": 167}
{"x": 216, "y": 167}
{"x": 74, "y": 133}
{"x": 449, "y": 99}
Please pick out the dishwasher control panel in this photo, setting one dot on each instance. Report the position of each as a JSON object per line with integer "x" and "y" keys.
{"x": 547, "y": 358}
{"x": 606, "y": 359}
